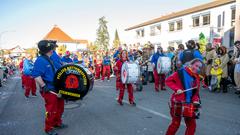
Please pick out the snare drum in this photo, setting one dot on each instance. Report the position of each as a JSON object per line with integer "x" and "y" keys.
{"x": 187, "y": 110}
{"x": 164, "y": 65}
{"x": 130, "y": 72}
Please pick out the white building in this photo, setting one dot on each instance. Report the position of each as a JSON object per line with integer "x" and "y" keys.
{"x": 215, "y": 20}
{"x": 62, "y": 38}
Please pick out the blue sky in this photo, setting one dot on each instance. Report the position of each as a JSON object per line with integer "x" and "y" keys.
{"x": 28, "y": 21}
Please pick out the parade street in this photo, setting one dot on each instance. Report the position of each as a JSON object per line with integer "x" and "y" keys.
{"x": 99, "y": 114}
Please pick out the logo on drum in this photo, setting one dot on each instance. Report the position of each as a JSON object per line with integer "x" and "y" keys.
{"x": 72, "y": 82}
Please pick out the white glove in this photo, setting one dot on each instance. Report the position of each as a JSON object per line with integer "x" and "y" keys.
{"x": 179, "y": 91}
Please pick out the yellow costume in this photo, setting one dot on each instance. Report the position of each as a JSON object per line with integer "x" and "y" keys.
{"x": 216, "y": 72}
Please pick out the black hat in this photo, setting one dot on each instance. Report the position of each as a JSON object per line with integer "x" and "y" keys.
{"x": 191, "y": 44}
{"x": 237, "y": 43}
{"x": 45, "y": 46}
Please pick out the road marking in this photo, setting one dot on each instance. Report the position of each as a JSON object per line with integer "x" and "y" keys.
{"x": 147, "y": 109}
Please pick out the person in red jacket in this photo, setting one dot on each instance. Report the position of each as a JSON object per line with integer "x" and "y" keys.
{"x": 184, "y": 78}
{"x": 98, "y": 67}
{"x": 121, "y": 86}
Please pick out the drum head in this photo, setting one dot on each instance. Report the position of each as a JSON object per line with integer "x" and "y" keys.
{"x": 124, "y": 72}
{"x": 159, "y": 68}
{"x": 72, "y": 82}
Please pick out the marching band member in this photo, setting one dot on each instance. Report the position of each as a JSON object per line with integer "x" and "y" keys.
{"x": 190, "y": 53}
{"x": 66, "y": 59}
{"x": 158, "y": 77}
{"x": 121, "y": 86}
{"x": 30, "y": 84}
{"x": 75, "y": 59}
{"x": 106, "y": 66}
{"x": 98, "y": 67}
{"x": 185, "y": 78}
{"x": 116, "y": 54}
{"x": 43, "y": 72}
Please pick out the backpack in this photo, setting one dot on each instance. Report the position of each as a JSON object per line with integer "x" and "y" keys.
{"x": 188, "y": 55}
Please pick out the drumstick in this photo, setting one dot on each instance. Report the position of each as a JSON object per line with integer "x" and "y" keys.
{"x": 187, "y": 90}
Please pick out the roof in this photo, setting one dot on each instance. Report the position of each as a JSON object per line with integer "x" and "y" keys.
{"x": 57, "y": 34}
{"x": 202, "y": 7}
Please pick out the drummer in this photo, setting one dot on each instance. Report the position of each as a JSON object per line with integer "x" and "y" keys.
{"x": 158, "y": 77}
{"x": 43, "y": 72}
{"x": 187, "y": 77}
{"x": 121, "y": 86}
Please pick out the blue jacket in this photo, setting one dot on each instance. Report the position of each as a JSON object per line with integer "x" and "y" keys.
{"x": 106, "y": 60}
{"x": 67, "y": 60}
{"x": 155, "y": 58}
{"x": 196, "y": 54}
{"x": 131, "y": 57}
{"x": 56, "y": 60}
{"x": 75, "y": 60}
{"x": 44, "y": 69}
{"x": 170, "y": 55}
{"x": 27, "y": 67}
{"x": 116, "y": 55}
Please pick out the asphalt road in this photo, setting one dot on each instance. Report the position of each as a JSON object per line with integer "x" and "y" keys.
{"x": 99, "y": 113}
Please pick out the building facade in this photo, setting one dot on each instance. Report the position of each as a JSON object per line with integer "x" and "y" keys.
{"x": 215, "y": 20}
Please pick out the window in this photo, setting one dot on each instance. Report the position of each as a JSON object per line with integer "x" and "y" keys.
{"x": 219, "y": 23}
{"x": 140, "y": 33}
{"x": 152, "y": 31}
{"x": 179, "y": 25}
{"x": 223, "y": 18}
{"x": 159, "y": 28}
{"x": 233, "y": 16}
{"x": 171, "y": 26}
{"x": 206, "y": 19}
{"x": 196, "y": 21}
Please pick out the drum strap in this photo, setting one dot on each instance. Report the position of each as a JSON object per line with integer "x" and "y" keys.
{"x": 50, "y": 62}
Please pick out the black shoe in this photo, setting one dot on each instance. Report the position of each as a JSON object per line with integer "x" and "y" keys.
{"x": 62, "y": 126}
{"x": 133, "y": 104}
{"x": 51, "y": 132}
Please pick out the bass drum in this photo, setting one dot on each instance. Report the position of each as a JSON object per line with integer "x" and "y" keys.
{"x": 130, "y": 72}
{"x": 163, "y": 65}
{"x": 73, "y": 82}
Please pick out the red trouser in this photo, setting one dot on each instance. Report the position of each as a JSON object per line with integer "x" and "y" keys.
{"x": 98, "y": 71}
{"x": 29, "y": 85}
{"x": 130, "y": 92}
{"x": 176, "y": 121}
{"x": 158, "y": 78}
{"x": 23, "y": 79}
{"x": 54, "y": 109}
{"x": 107, "y": 69}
